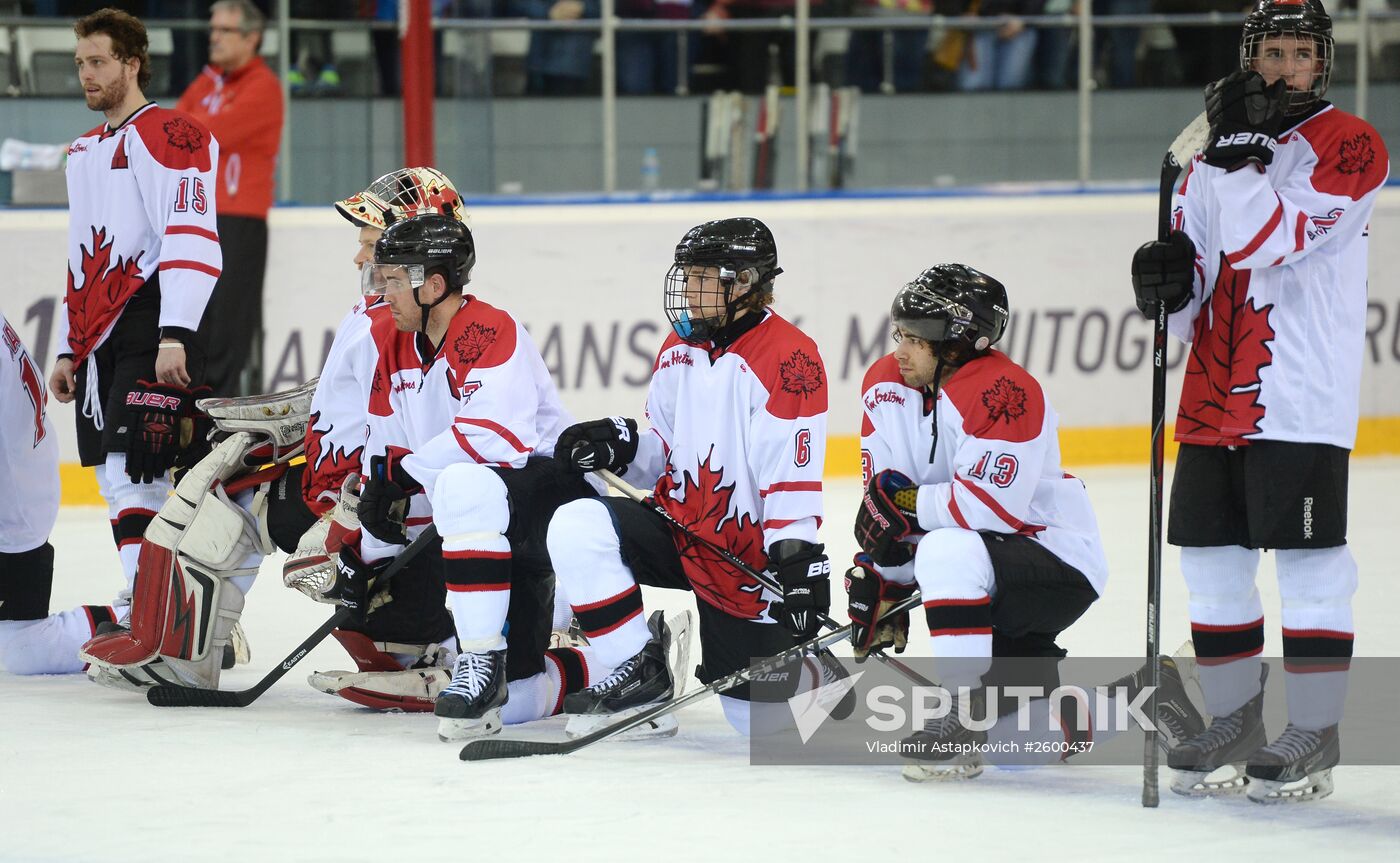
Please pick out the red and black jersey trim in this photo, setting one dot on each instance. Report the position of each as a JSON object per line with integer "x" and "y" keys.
{"x": 1314, "y": 650}
{"x": 1217, "y": 643}
{"x": 604, "y": 616}
{"x": 959, "y": 616}
{"x": 573, "y": 672}
{"x": 130, "y": 526}
{"x": 476, "y": 571}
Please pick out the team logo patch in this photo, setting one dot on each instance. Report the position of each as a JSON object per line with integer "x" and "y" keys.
{"x": 1355, "y": 154}
{"x": 473, "y": 342}
{"x": 801, "y": 374}
{"x": 1004, "y": 399}
{"x": 183, "y": 135}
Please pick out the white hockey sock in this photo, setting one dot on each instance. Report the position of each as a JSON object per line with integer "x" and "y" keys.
{"x": 1318, "y": 631}
{"x": 587, "y": 558}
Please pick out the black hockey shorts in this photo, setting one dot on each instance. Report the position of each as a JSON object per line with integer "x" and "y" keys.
{"x": 727, "y": 643}
{"x": 1268, "y": 494}
{"x": 1037, "y": 596}
{"x": 26, "y": 581}
{"x": 128, "y": 356}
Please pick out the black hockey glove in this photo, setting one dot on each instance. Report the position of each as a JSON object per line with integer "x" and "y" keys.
{"x": 888, "y": 515}
{"x": 606, "y": 444}
{"x": 1163, "y": 271}
{"x": 804, "y": 572}
{"x": 868, "y": 597}
{"x": 158, "y": 427}
{"x": 1245, "y": 118}
{"x": 355, "y": 584}
{"x": 384, "y": 499}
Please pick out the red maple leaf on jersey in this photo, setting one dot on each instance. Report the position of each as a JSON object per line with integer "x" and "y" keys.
{"x": 105, "y": 289}
{"x": 325, "y": 471}
{"x": 1220, "y": 397}
{"x": 1004, "y": 399}
{"x": 801, "y": 374}
{"x": 704, "y": 507}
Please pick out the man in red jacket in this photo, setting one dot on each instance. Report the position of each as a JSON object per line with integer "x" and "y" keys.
{"x": 238, "y": 98}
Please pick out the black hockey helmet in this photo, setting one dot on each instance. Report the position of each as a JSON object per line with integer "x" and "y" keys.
{"x": 1304, "y": 18}
{"x": 734, "y": 247}
{"x": 412, "y": 249}
{"x": 955, "y": 306}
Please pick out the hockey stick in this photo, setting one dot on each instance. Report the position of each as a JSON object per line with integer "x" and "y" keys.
{"x": 733, "y": 560}
{"x": 185, "y": 696}
{"x": 1181, "y": 150}
{"x": 495, "y": 747}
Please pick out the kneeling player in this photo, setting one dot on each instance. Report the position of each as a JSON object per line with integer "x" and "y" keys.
{"x": 966, "y": 501}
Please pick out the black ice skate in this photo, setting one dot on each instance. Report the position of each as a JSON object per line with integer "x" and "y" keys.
{"x": 470, "y": 705}
{"x": 830, "y": 674}
{"x": 1177, "y": 717}
{"x": 945, "y": 750}
{"x": 642, "y": 681}
{"x": 1227, "y": 743}
{"x": 1296, "y": 767}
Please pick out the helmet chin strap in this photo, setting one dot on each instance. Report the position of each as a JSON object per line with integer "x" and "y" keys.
{"x": 933, "y": 390}
{"x": 426, "y": 308}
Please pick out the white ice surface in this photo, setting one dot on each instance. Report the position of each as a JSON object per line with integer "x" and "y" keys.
{"x": 88, "y": 774}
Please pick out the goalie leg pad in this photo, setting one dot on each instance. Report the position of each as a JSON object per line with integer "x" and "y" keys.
{"x": 382, "y": 682}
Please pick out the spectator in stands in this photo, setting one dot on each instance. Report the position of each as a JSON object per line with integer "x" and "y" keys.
{"x": 1120, "y": 44}
{"x": 1000, "y": 58}
{"x": 237, "y": 97}
{"x": 559, "y": 63}
{"x": 646, "y": 62}
{"x": 754, "y": 58}
{"x": 865, "y": 57}
{"x": 1053, "y": 48}
{"x": 1206, "y": 53}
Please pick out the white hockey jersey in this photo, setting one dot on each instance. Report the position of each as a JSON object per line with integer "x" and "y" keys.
{"x": 28, "y": 450}
{"x": 140, "y": 201}
{"x": 485, "y": 397}
{"x": 996, "y": 466}
{"x": 1278, "y": 316}
{"x": 335, "y": 435}
{"x": 736, "y": 448}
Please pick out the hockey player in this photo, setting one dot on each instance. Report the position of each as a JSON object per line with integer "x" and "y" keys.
{"x": 735, "y": 450}
{"x": 32, "y": 641}
{"x": 1268, "y": 263}
{"x": 462, "y": 418}
{"x": 965, "y": 500}
{"x": 143, "y": 255}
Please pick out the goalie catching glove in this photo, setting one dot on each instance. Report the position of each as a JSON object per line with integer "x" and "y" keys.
{"x": 311, "y": 569}
{"x": 869, "y": 595}
{"x": 888, "y": 515}
{"x": 160, "y": 426}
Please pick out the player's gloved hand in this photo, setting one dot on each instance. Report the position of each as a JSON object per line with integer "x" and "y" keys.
{"x": 311, "y": 568}
{"x": 605, "y": 444}
{"x": 158, "y": 427}
{"x": 356, "y": 585}
{"x": 1163, "y": 271}
{"x": 804, "y": 572}
{"x": 384, "y": 498}
{"x": 888, "y": 515}
{"x": 1245, "y": 118}
{"x": 868, "y": 596}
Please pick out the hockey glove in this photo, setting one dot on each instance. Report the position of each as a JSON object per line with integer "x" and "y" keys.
{"x": 1245, "y": 118}
{"x": 868, "y": 597}
{"x": 158, "y": 427}
{"x": 606, "y": 444}
{"x": 888, "y": 515}
{"x": 384, "y": 498}
{"x": 1163, "y": 271}
{"x": 355, "y": 584}
{"x": 804, "y": 572}
{"x": 311, "y": 568}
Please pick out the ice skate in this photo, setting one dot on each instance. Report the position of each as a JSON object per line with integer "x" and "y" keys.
{"x": 1176, "y": 715}
{"x": 1213, "y": 761}
{"x": 637, "y": 684}
{"x": 1296, "y": 767}
{"x": 470, "y": 705}
{"x": 944, "y": 750}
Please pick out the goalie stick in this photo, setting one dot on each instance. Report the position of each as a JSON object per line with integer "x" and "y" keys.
{"x": 184, "y": 696}
{"x": 493, "y": 748}
{"x": 1186, "y": 144}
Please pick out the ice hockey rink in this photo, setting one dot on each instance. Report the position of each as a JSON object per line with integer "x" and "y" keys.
{"x": 89, "y": 774}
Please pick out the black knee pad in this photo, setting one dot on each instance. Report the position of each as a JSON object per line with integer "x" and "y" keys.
{"x": 26, "y": 580}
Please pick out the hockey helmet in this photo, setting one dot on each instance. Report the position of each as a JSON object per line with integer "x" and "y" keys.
{"x": 410, "y": 250}
{"x": 953, "y": 305}
{"x": 401, "y": 194}
{"x": 710, "y": 260}
{"x": 1304, "y": 18}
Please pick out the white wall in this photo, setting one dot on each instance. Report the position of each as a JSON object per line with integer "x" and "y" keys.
{"x": 587, "y": 280}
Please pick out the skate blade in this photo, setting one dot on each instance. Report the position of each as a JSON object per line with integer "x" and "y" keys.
{"x": 583, "y": 724}
{"x": 948, "y": 771}
{"x": 238, "y": 644}
{"x": 455, "y": 730}
{"x": 1314, "y": 786}
{"x": 1225, "y": 780}
{"x": 114, "y": 679}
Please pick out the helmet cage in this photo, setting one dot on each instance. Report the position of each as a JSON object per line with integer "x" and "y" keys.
{"x": 690, "y": 323}
{"x": 1305, "y": 20}
{"x": 403, "y": 194}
